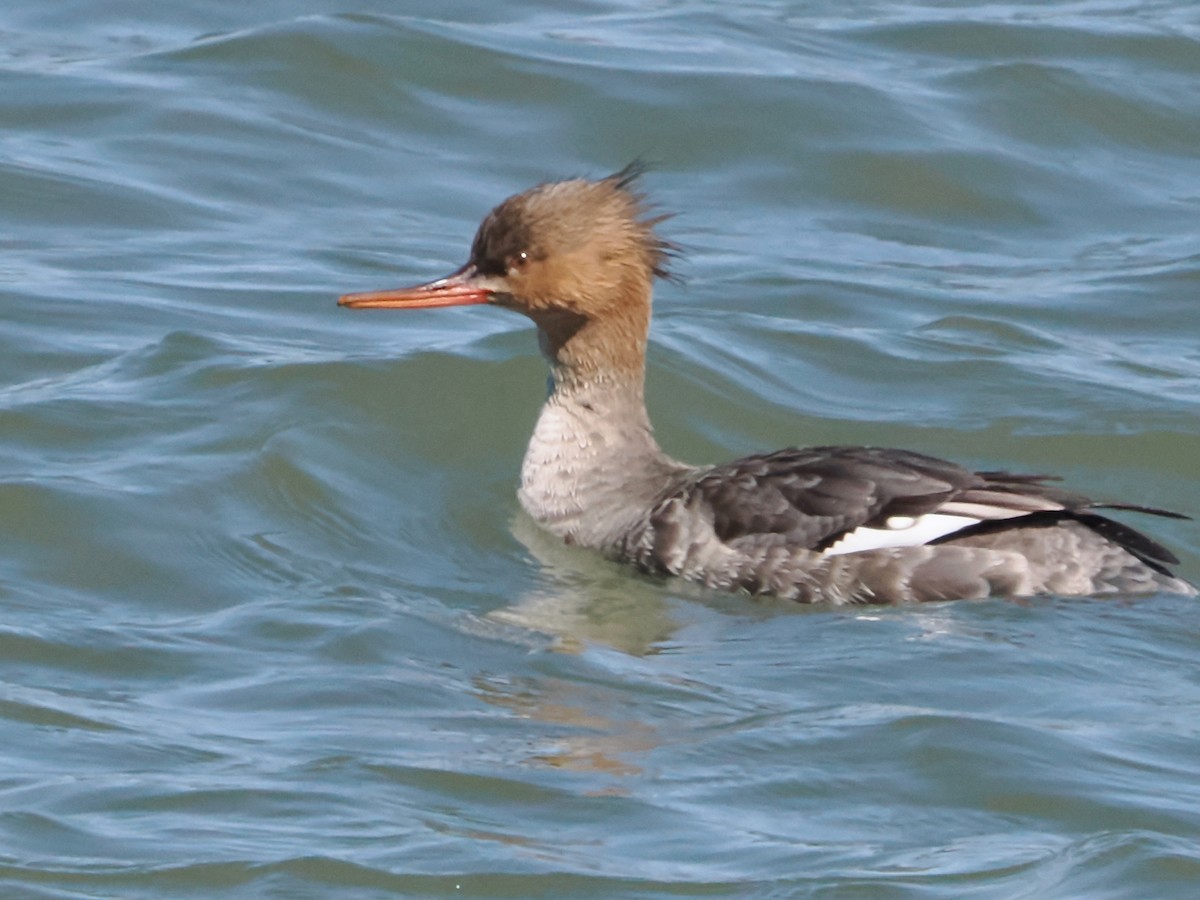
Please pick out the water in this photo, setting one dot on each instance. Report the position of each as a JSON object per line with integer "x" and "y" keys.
{"x": 272, "y": 623}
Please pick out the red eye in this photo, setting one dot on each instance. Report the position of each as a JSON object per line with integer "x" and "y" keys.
{"x": 518, "y": 261}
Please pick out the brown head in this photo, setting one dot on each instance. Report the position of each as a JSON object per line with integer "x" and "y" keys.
{"x": 578, "y": 257}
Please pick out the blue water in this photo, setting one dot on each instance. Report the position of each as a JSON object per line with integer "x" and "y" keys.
{"x": 272, "y": 622}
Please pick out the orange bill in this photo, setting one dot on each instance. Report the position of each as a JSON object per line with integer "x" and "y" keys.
{"x": 458, "y": 289}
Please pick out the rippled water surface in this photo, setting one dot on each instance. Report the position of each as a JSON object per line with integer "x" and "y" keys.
{"x": 272, "y": 625}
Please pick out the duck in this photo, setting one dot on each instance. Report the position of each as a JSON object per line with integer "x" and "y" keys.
{"x": 826, "y": 524}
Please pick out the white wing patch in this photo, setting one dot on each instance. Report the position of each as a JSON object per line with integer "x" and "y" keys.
{"x": 901, "y": 531}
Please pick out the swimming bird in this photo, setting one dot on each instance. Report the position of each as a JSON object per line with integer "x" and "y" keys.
{"x": 821, "y": 524}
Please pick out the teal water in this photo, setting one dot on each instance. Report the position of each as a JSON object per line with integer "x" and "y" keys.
{"x": 272, "y": 624}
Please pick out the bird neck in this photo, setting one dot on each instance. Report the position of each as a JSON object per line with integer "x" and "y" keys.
{"x": 584, "y": 349}
{"x": 593, "y": 469}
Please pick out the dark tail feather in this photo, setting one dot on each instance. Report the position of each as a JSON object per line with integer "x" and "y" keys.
{"x": 1148, "y": 510}
{"x": 1148, "y": 551}
{"x": 1152, "y": 553}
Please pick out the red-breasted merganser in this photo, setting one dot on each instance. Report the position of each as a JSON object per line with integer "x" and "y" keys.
{"x": 824, "y": 524}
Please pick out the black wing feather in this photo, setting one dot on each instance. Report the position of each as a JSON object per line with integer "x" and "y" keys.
{"x": 815, "y": 495}
{"x": 812, "y": 497}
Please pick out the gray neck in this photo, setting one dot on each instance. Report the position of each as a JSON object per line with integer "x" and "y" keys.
{"x": 593, "y": 470}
